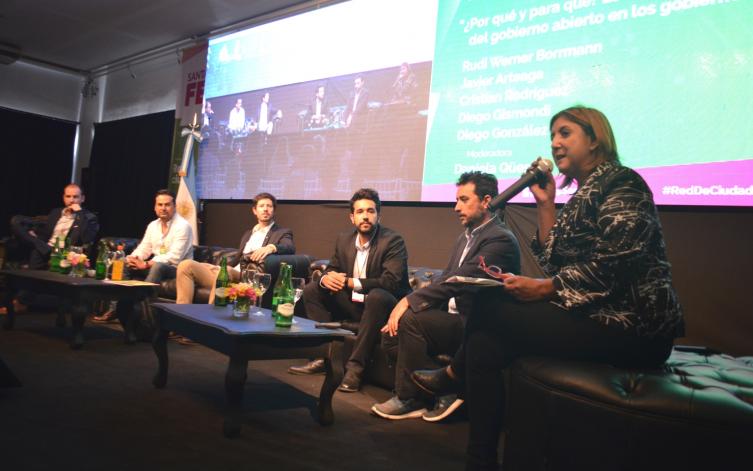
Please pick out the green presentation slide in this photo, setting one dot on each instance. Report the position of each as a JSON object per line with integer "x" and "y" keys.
{"x": 673, "y": 77}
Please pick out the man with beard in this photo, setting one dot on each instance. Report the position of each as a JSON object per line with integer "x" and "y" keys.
{"x": 260, "y": 241}
{"x": 364, "y": 279}
{"x": 430, "y": 321}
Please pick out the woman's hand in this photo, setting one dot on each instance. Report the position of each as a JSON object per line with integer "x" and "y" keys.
{"x": 545, "y": 196}
{"x": 526, "y": 289}
{"x": 545, "y": 210}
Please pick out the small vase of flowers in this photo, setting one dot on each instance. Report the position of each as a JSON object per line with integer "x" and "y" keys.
{"x": 78, "y": 263}
{"x": 243, "y": 296}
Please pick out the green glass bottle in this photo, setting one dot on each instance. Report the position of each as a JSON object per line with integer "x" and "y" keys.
{"x": 283, "y": 315}
{"x": 278, "y": 286}
{"x": 101, "y": 264}
{"x": 65, "y": 265}
{"x": 220, "y": 286}
{"x": 55, "y": 256}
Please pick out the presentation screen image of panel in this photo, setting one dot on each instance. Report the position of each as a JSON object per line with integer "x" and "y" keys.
{"x": 448, "y": 87}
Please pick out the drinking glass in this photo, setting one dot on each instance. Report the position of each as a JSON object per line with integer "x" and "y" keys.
{"x": 247, "y": 276}
{"x": 109, "y": 256}
{"x": 261, "y": 285}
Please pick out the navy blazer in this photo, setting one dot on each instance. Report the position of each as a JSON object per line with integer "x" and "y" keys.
{"x": 281, "y": 237}
{"x": 83, "y": 231}
{"x": 386, "y": 267}
{"x": 495, "y": 243}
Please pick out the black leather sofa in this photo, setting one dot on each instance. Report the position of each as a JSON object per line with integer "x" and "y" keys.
{"x": 693, "y": 413}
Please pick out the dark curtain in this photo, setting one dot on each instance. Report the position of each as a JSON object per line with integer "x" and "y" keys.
{"x": 130, "y": 161}
{"x": 36, "y": 159}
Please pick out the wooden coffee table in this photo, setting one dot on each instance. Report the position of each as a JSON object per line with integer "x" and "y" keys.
{"x": 254, "y": 338}
{"x": 78, "y": 295}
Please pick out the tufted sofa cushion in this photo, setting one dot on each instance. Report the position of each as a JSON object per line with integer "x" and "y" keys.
{"x": 695, "y": 412}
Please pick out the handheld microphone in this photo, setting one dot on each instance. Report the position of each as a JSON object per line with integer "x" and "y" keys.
{"x": 536, "y": 173}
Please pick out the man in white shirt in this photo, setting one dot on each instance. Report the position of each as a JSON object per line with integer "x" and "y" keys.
{"x": 236, "y": 122}
{"x": 167, "y": 241}
{"x": 264, "y": 239}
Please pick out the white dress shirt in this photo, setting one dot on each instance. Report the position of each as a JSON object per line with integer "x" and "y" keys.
{"x": 359, "y": 268}
{"x": 170, "y": 248}
{"x": 237, "y": 119}
{"x": 62, "y": 227}
{"x": 256, "y": 241}
{"x": 263, "y": 116}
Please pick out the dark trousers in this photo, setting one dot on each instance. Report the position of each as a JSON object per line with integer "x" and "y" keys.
{"x": 420, "y": 337}
{"x": 40, "y": 251}
{"x": 500, "y": 329}
{"x": 325, "y": 306}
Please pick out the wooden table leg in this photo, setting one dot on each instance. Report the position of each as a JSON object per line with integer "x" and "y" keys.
{"x": 334, "y": 365}
{"x": 128, "y": 317}
{"x": 159, "y": 343}
{"x": 235, "y": 382}
{"x": 79, "y": 312}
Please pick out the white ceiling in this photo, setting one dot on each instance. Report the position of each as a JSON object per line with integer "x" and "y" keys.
{"x": 85, "y": 35}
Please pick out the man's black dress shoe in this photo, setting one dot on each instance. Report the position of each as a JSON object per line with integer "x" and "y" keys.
{"x": 314, "y": 367}
{"x": 436, "y": 382}
{"x": 351, "y": 382}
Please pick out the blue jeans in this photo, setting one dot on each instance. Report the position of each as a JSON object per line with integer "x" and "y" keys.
{"x": 161, "y": 271}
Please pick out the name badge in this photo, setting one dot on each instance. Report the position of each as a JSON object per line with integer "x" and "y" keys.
{"x": 357, "y": 297}
{"x": 163, "y": 250}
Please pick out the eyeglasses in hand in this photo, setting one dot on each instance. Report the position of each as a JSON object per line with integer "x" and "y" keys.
{"x": 492, "y": 270}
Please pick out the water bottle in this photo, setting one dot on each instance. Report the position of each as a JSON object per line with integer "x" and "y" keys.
{"x": 220, "y": 286}
{"x": 118, "y": 264}
{"x": 55, "y": 256}
{"x": 283, "y": 314}
{"x": 64, "y": 249}
{"x": 101, "y": 264}
{"x": 278, "y": 286}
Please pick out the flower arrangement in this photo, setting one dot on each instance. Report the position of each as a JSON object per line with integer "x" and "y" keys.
{"x": 242, "y": 295}
{"x": 76, "y": 262}
{"x": 241, "y": 291}
{"x": 77, "y": 259}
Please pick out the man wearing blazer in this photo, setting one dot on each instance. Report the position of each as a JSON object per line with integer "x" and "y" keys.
{"x": 265, "y": 238}
{"x": 365, "y": 277}
{"x": 79, "y": 225}
{"x": 430, "y": 321}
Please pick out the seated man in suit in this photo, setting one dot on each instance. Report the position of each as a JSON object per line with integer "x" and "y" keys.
{"x": 71, "y": 221}
{"x": 430, "y": 321}
{"x": 317, "y": 112}
{"x": 357, "y": 106}
{"x": 365, "y": 277}
{"x": 264, "y": 239}
{"x": 167, "y": 241}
